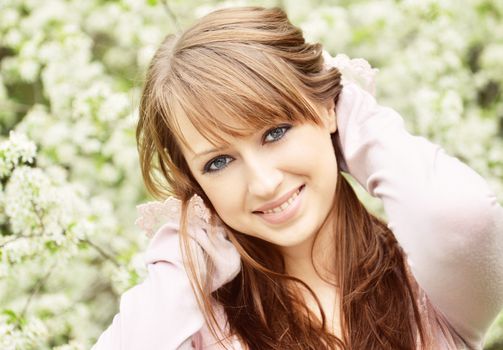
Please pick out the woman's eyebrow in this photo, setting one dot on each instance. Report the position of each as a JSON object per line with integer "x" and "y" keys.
{"x": 212, "y": 150}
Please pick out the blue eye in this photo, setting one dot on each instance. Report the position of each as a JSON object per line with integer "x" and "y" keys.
{"x": 221, "y": 162}
{"x": 217, "y": 164}
{"x": 276, "y": 133}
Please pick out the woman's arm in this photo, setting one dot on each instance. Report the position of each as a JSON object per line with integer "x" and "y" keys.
{"x": 162, "y": 312}
{"x": 442, "y": 212}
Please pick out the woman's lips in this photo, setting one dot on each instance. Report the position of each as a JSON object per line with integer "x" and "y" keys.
{"x": 278, "y": 202}
{"x": 288, "y": 212}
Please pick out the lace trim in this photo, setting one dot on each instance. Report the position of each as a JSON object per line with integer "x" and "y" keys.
{"x": 152, "y": 215}
{"x": 356, "y": 70}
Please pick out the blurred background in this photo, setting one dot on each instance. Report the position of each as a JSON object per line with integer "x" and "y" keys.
{"x": 70, "y": 76}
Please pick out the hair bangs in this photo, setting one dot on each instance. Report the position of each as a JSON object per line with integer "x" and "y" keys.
{"x": 248, "y": 95}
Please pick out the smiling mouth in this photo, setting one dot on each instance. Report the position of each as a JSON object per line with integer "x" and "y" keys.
{"x": 280, "y": 208}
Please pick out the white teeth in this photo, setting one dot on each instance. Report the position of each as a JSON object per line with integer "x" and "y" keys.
{"x": 283, "y": 206}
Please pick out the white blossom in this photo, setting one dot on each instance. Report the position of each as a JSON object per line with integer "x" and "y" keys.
{"x": 17, "y": 149}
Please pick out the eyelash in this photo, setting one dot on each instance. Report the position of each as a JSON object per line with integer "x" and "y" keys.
{"x": 284, "y": 127}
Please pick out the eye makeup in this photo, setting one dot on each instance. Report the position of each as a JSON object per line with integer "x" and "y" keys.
{"x": 272, "y": 135}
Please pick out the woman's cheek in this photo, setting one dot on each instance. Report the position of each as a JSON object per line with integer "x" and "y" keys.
{"x": 225, "y": 195}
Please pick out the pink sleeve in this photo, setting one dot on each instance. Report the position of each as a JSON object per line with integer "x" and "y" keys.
{"x": 442, "y": 212}
{"x": 162, "y": 312}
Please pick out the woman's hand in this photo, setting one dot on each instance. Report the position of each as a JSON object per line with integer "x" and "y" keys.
{"x": 206, "y": 240}
{"x": 222, "y": 253}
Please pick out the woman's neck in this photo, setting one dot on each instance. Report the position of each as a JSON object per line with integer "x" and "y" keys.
{"x": 318, "y": 270}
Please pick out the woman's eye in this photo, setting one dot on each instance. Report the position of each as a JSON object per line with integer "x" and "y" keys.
{"x": 276, "y": 133}
{"x": 220, "y": 162}
{"x": 217, "y": 164}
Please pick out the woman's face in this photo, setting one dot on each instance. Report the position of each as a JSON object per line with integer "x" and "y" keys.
{"x": 277, "y": 184}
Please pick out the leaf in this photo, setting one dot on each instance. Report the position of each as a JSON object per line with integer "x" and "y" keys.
{"x": 13, "y": 318}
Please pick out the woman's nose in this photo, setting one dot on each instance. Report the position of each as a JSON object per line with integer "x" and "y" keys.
{"x": 263, "y": 178}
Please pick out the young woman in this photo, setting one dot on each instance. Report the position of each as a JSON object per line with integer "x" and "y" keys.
{"x": 264, "y": 244}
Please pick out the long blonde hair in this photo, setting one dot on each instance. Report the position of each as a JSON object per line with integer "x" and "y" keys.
{"x": 253, "y": 67}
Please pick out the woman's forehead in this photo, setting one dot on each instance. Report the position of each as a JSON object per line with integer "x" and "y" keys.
{"x": 198, "y": 138}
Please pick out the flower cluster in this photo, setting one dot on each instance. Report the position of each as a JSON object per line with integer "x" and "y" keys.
{"x": 18, "y": 149}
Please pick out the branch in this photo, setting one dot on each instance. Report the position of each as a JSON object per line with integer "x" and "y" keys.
{"x": 171, "y": 14}
{"x": 3, "y": 244}
{"x": 101, "y": 251}
{"x": 41, "y": 281}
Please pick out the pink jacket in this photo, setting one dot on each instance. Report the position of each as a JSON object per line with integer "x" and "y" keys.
{"x": 442, "y": 213}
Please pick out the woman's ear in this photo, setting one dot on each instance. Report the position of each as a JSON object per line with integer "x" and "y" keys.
{"x": 329, "y": 117}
